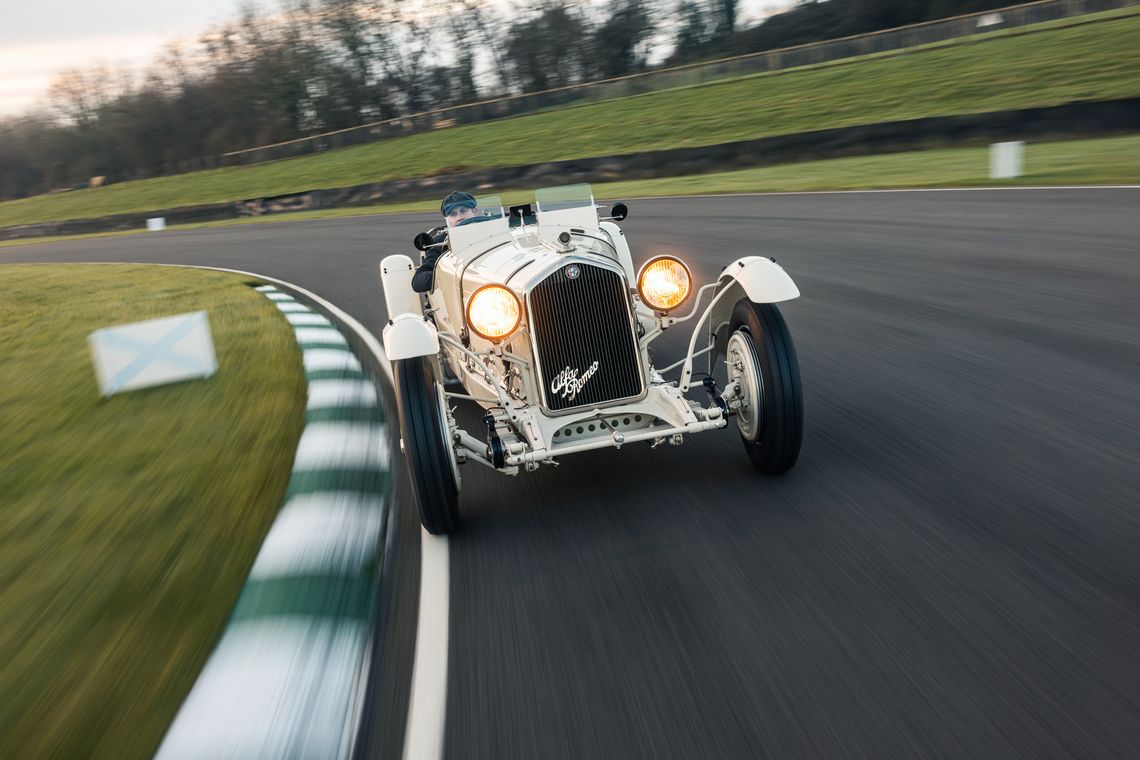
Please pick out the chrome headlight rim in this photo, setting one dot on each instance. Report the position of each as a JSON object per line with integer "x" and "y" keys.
{"x": 471, "y": 302}
{"x": 640, "y": 282}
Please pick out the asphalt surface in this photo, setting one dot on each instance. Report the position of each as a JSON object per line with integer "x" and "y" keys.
{"x": 953, "y": 568}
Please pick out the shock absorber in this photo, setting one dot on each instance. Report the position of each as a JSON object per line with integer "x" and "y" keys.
{"x": 495, "y": 451}
{"x": 714, "y": 394}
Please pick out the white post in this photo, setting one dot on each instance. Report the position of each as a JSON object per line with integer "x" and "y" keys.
{"x": 156, "y": 224}
{"x": 1006, "y": 159}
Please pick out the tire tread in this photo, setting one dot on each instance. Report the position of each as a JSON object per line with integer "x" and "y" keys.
{"x": 432, "y": 481}
{"x": 778, "y": 445}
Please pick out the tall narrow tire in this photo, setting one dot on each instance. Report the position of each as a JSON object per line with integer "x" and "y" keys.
{"x": 427, "y": 452}
{"x": 772, "y": 427}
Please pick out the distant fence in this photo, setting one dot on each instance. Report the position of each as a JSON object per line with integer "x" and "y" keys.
{"x": 1061, "y": 122}
{"x": 696, "y": 73}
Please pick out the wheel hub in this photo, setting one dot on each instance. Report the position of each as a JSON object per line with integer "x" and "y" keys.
{"x": 744, "y": 373}
{"x": 446, "y": 425}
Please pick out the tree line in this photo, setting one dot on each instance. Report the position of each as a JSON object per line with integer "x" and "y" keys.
{"x": 308, "y": 66}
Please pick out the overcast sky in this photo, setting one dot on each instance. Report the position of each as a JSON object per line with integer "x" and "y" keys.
{"x": 38, "y": 39}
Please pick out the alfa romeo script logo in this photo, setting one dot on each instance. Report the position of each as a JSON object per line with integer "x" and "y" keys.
{"x": 572, "y": 272}
{"x": 567, "y": 382}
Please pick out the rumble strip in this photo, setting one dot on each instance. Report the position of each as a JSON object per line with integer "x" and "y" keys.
{"x": 288, "y": 675}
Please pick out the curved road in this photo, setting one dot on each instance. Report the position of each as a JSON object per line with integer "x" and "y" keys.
{"x": 952, "y": 570}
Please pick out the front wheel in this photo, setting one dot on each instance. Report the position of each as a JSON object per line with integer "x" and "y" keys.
{"x": 429, "y": 454}
{"x": 762, "y": 363}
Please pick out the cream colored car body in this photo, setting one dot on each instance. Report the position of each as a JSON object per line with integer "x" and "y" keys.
{"x": 503, "y": 377}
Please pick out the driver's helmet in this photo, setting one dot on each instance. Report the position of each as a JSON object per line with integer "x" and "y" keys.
{"x": 457, "y": 200}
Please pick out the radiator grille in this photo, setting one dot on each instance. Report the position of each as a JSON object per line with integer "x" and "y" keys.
{"x": 580, "y": 316}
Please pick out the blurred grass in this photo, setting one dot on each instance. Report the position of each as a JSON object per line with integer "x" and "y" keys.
{"x": 127, "y": 524}
{"x": 1062, "y": 63}
{"x": 1105, "y": 161}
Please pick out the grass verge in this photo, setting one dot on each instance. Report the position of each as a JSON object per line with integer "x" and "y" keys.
{"x": 1058, "y": 64}
{"x": 129, "y": 523}
{"x": 1105, "y": 161}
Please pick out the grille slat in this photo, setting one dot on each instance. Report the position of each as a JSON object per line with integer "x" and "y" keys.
{"x": 580, "y": 321}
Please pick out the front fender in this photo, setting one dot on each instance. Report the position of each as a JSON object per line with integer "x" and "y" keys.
{"x": 396, "y": 276}
{"x": 756, "y": 278}
{"x": 763, "y": 280}
{"x": 408, "y": 336}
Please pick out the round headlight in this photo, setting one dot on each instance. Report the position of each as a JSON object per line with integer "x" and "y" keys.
{"x": 493, "y": 312}
{"x": 664, "y": 283}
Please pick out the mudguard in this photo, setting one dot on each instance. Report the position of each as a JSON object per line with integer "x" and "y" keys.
{"x": 763, "y": 280}
{"x": 759, "y": 279}
{"x": 409, "y": 335}
{"x": 396, "y": 276}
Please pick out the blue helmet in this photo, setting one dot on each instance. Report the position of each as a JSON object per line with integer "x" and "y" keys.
{"x": 458, "y": 199}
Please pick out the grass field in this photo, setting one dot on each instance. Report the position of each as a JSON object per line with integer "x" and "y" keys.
{"x": 127, "y": 524}
{"x": 1107, "y": 161}
{"x": 1061, "y": 64}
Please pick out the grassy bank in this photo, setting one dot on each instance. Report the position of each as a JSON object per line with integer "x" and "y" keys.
{"x": 1059, "y": 64}
{"x": 128, "y": 524}
{"x": 1107, "y": 161}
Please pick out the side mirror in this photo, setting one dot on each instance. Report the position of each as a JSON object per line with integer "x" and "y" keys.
{"x": 619, "y": 211}
{"x": 422, "y": 241}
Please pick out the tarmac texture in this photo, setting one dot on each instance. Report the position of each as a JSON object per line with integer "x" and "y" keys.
{"x": 951, "y": 571}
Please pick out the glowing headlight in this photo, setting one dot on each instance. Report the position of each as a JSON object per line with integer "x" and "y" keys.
{"x": 664, "y": 283}
{"x": 493, "y": 312}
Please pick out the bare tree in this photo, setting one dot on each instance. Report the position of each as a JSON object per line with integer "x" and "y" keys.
{"x": 693, "y": 33}
{"x": 78, "y": 94}
{"x": 621, "y": 42}
{"x": 724, "y": 13}
{"x": 550, "y": 49}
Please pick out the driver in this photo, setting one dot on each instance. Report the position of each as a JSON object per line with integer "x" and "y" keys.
{"x": 456, "y": 207}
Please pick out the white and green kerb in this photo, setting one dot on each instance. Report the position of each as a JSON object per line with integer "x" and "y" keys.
{"x": 287, "y": 678}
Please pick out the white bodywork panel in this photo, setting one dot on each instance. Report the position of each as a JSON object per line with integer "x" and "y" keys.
{"x": 408, "y": 336}
{"x": 763, "y": 280}
{"x": 396, "y": 275}
{"x": 617, "y": 237}
{"x": 756, "y": 278}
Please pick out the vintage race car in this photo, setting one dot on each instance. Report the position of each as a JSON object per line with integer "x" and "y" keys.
{"x": 538, "y": 313}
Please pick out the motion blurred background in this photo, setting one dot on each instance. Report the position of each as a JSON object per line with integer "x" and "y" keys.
{"x": 954, "y": 329}
{"x": 165, "y": 91}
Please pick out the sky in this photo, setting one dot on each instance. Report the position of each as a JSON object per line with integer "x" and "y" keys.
{"x": 39, "y": 39}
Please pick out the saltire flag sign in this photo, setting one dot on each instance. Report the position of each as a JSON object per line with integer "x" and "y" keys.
{"x": 154, "y": 352}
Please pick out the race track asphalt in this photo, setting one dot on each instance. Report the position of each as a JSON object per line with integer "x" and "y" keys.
{"x": 953, "y": 568}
